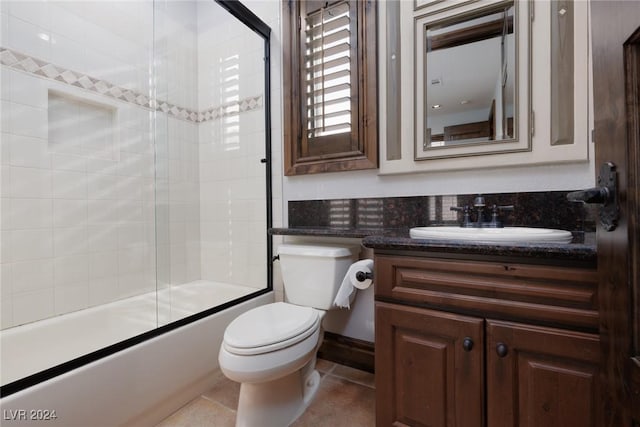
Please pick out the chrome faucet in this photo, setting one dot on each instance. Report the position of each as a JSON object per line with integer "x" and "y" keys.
{"x": 480, "y": 220}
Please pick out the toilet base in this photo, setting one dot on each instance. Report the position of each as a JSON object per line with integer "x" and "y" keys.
{"x": 277, "y": 403}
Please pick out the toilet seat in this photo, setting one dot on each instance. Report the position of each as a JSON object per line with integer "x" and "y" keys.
{"x": 269, "y": 328}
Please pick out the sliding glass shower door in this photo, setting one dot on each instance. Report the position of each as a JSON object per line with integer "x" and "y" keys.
{"x": 210, "y": 136}
{"x": 134, "y": 193}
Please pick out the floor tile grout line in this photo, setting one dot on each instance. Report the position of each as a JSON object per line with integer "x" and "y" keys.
{"x": 351, "y": 380}
{"x": 330, "y": 372}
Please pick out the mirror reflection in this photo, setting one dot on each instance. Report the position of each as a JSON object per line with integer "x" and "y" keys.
{"x": 470, "y": 80}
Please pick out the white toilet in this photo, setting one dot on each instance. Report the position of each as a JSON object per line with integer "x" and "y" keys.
{"x": 271, "y": 349}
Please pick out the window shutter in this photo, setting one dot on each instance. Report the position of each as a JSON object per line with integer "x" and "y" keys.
{"x": 328, "y": 71}
{"x": 328, "y": 79}
{"x": 329, "y": 84}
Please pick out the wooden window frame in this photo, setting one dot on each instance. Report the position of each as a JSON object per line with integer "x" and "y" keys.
{"x": 331, "y": 154}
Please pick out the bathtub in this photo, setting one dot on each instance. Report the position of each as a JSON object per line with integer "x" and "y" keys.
{"x": 139, "y": 385}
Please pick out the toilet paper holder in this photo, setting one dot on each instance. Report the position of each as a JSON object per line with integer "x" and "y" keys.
{"x": 361, "y": 276}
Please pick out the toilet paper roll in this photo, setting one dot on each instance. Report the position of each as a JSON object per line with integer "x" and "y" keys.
{"x": 350, "y": 283}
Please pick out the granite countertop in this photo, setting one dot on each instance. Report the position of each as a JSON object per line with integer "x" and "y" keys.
{"x": 329, "y": 232}
{"x": 582, "y": 249}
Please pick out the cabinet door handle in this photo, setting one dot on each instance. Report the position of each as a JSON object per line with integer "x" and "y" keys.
{"x": 467, "y": 344}
{"x": 502, "y": 349}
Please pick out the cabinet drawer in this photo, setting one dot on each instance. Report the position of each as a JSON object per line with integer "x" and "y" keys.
{"x": 551, "y": 294}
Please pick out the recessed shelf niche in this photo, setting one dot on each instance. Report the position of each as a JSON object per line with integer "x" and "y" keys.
{"x": 81, "y": 128}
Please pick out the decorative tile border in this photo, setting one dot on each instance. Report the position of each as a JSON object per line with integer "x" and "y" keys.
{"x": 40, "y": 68}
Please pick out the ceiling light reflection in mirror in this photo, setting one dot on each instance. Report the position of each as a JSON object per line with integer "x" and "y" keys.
{"x": 470, "y": 80}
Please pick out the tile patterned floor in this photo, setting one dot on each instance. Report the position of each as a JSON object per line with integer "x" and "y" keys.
{"x": 346, "y": 397}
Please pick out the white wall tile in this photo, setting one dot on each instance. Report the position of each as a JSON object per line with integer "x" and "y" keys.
{"x": 71, "y": 298}
{"x": 5, "y": 148}
{"x": 33, "y": 11}
{"x": 129, "y": 211}
{"x": 66, "y": 23}
{"x": 27, "y": 151}
{"x": 31, "y": 213}
{"x": 103, "y": 237}
{"x": 177, "y": 233}
{"x": 102, "y": 291}
{"x": 70, "y": 240}
{"x": 6, "y": 281}
{"x": 6, "y": 215}
{"x": 67, "y": 213}
{"x": 28, "y": 38}
{"x": 131, "y": 260}
{"x": 67, "y": 52}
{"x": 32, "y": 306}
{"x": 4, "y": 25}
{"x": 67, "y": 162}
{"x": 6, "y": 246}
{"x": 103, "y": 211}
{"x": 23, "y": 88}
{"x": 102, "y": 186}
{"x": 103, "y": 166}
{"x": 193, "y": 269}
{"x": 31, "y": 244}
{"x": 103, "y": 265}
{"x": 29, "y": 121}
{"x": 32, "y": 275}
{"x": 133, "y": 284}
{"x": 130, "y": 235}
{"x": 130, "y": 188}
{"x": 69, "y": 185}
{"x": 6, "y": 313}
{"x": 69, "y": 270}
{"x": 129, "y": 164}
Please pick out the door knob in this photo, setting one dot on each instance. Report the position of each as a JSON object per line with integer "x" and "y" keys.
{"x": 502, "y": 349}
{"x": 467, "y": 344}
{"x": 605, "y": 194}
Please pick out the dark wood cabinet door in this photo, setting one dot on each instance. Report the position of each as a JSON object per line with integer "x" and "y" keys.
{"x": 538, "y": 376}
{"x": 429, "y": 368}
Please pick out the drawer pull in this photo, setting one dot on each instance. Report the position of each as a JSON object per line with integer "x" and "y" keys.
{"x": 502, "y": 349}
{"x": 467, "y": 344}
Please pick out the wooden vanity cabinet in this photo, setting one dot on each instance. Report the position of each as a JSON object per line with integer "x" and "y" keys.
{"x": 466, "y": 343}
{"x": 539, "y": 376}
{"x": 424, "y": 375}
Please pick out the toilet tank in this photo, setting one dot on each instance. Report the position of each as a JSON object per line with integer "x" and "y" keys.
{"x": 312, "y": 274}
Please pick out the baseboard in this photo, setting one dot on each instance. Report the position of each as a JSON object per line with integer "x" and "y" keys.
{"x": 347, "y": 351}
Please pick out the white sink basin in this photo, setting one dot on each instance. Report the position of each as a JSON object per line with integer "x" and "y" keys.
{"x": 506, "y": 234}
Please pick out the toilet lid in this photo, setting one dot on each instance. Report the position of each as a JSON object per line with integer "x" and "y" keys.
{"x": 270, "y": 327}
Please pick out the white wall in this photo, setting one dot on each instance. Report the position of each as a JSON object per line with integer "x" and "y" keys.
{"x": 500, "y": 180}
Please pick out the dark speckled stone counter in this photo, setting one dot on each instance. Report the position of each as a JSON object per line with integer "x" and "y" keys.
{"x": 583, "y": 250}
{"x": 383, "y": 224}
{"x": 580, "y": 252}
{"x": 334, "y": 232}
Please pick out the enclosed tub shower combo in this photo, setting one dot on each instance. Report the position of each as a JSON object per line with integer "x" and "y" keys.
{"x": 135, "y": 197}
